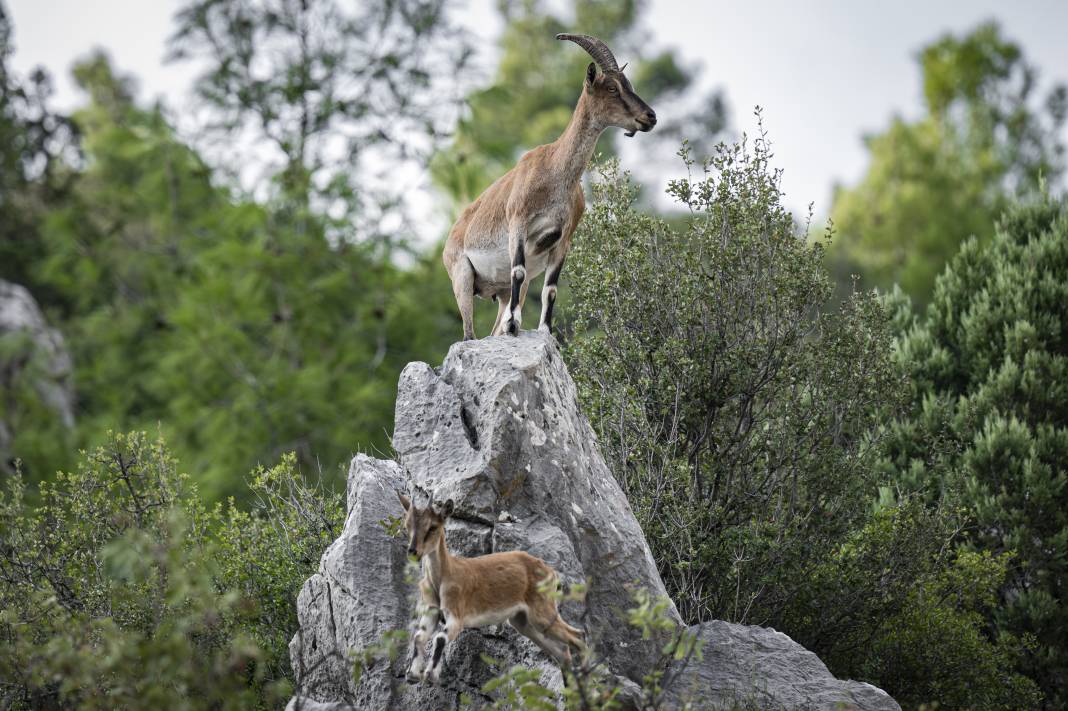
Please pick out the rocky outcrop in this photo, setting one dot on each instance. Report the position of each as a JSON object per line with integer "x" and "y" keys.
{"x": 497, "y": 429}
{"x": 756, "y": 667}
{"x": 32, "y": 347}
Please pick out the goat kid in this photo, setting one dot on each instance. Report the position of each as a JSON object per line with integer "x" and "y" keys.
{"x": 521, "y": 225}
{"x": 479, "y": 592}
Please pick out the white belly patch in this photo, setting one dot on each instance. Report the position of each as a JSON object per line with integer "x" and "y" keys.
{"x": 494, "y": 267}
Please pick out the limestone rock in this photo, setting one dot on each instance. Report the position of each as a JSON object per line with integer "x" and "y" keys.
{"x": 757, "y": 667}
{"x": 40, "y": 347}
{"x": 497, "y": 429}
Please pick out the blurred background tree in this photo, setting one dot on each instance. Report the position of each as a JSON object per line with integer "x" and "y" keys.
{"x": 329, "y": 88}
{"x": 987, "y": 370}
{"x": 33, "y": 140}
{"x": 986, "y": 138}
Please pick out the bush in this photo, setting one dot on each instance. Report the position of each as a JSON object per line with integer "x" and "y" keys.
{"x": 987, "y": 371}
{"x": 123, "y": 590}
{"x": 731, "y": 407}
{"x": 743, "y": 419}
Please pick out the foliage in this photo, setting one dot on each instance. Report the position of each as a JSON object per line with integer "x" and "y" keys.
{"x": 32, "y": 140}
{"x": 742, "y": 419}
{"x": 537, "y": 83}
{"x": 899, "y": 605}
{"x": 123, "y": 590}
{"x": 188, "y": 308}
{"x": 731, "y": 408}
{"x": 987, "y": 374}
{"x": 933, "y": 182}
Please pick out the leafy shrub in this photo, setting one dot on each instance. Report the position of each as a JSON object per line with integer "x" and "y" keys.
{"x": 731, "y": 407}
{"x": 743, "y": 419}
{"x": 123, "y": 590}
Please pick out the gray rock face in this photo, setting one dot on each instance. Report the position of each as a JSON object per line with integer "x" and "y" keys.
{"x": 757, "y": 667}
{"x": 497, "y": 429}
{"x": 41, "y": 348}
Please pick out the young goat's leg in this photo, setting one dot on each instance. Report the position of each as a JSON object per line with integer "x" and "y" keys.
{"x": 426, "y": 622}
{"x": 558, "y": 652}
{"x": 567, "y": 635}
{"x": 548, "y": 295}
{"x": 453, "y": 627}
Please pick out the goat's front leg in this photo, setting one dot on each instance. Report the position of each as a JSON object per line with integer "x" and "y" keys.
{"x": 517, "y": 245}
{"x": 426, "y": 622}
{"x": 453, "y": 626}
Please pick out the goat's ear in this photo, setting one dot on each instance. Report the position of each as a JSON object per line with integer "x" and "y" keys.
{"x": 445, "y": 510}
{"x": 591, "y": 75}
{"x": 405, "y": 501}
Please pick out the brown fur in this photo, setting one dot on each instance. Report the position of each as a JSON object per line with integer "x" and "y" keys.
{"x": 475, "y": 592}
{"x": 539, "y": 198}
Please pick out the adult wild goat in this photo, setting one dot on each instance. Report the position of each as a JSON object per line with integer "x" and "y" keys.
{"x": 477, "y": 592}
{"x": 522, "y": 224}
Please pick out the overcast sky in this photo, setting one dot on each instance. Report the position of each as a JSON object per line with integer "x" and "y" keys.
{"x": 825, "y": 72}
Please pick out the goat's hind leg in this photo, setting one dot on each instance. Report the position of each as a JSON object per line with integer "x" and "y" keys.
{"x": 557, "y": 651}
{"x": 502, "y": 308}
{"x": 548, "y": 294}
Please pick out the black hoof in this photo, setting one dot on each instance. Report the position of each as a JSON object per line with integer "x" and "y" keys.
{"x": 512, "y": 328}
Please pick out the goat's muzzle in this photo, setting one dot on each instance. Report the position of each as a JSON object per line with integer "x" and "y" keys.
{"x": 645, "y": 124}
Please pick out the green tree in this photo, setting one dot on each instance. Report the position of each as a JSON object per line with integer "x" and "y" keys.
{"x": 537, "y": 83}
{"x": 731, "y": 407}
{"x": 243, "y": 330}
{"x": 987, "y": 372}
{"x": 933, "y": 182}
{"x": 329, "y": 87}
{"x": 33, "y": 142}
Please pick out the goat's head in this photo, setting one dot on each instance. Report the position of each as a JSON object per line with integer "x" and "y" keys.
{"x": 424, "y": 526}
{"x": 614, "y": 102}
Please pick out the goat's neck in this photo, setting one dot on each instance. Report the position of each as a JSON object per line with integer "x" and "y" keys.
{"x": 575, "y": 145}
{"x": 436, "y": 565}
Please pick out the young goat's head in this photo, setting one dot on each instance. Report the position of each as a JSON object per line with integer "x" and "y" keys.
{"x": 424, "y": 526}
{"x": 613, "y": 100}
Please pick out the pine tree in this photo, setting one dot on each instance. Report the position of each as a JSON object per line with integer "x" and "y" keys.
{"x": 988, "y": 367}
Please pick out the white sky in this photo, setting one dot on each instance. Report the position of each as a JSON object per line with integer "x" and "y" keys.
{"x": 826, "y": 72}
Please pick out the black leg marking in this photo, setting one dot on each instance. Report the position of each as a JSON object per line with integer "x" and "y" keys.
{"x": 551, "y": 279}
{"x": 551, "y": 301}
{"x": 519, "y": 274}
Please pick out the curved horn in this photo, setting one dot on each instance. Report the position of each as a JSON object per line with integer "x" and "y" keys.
{"x": 597, "y": 49}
